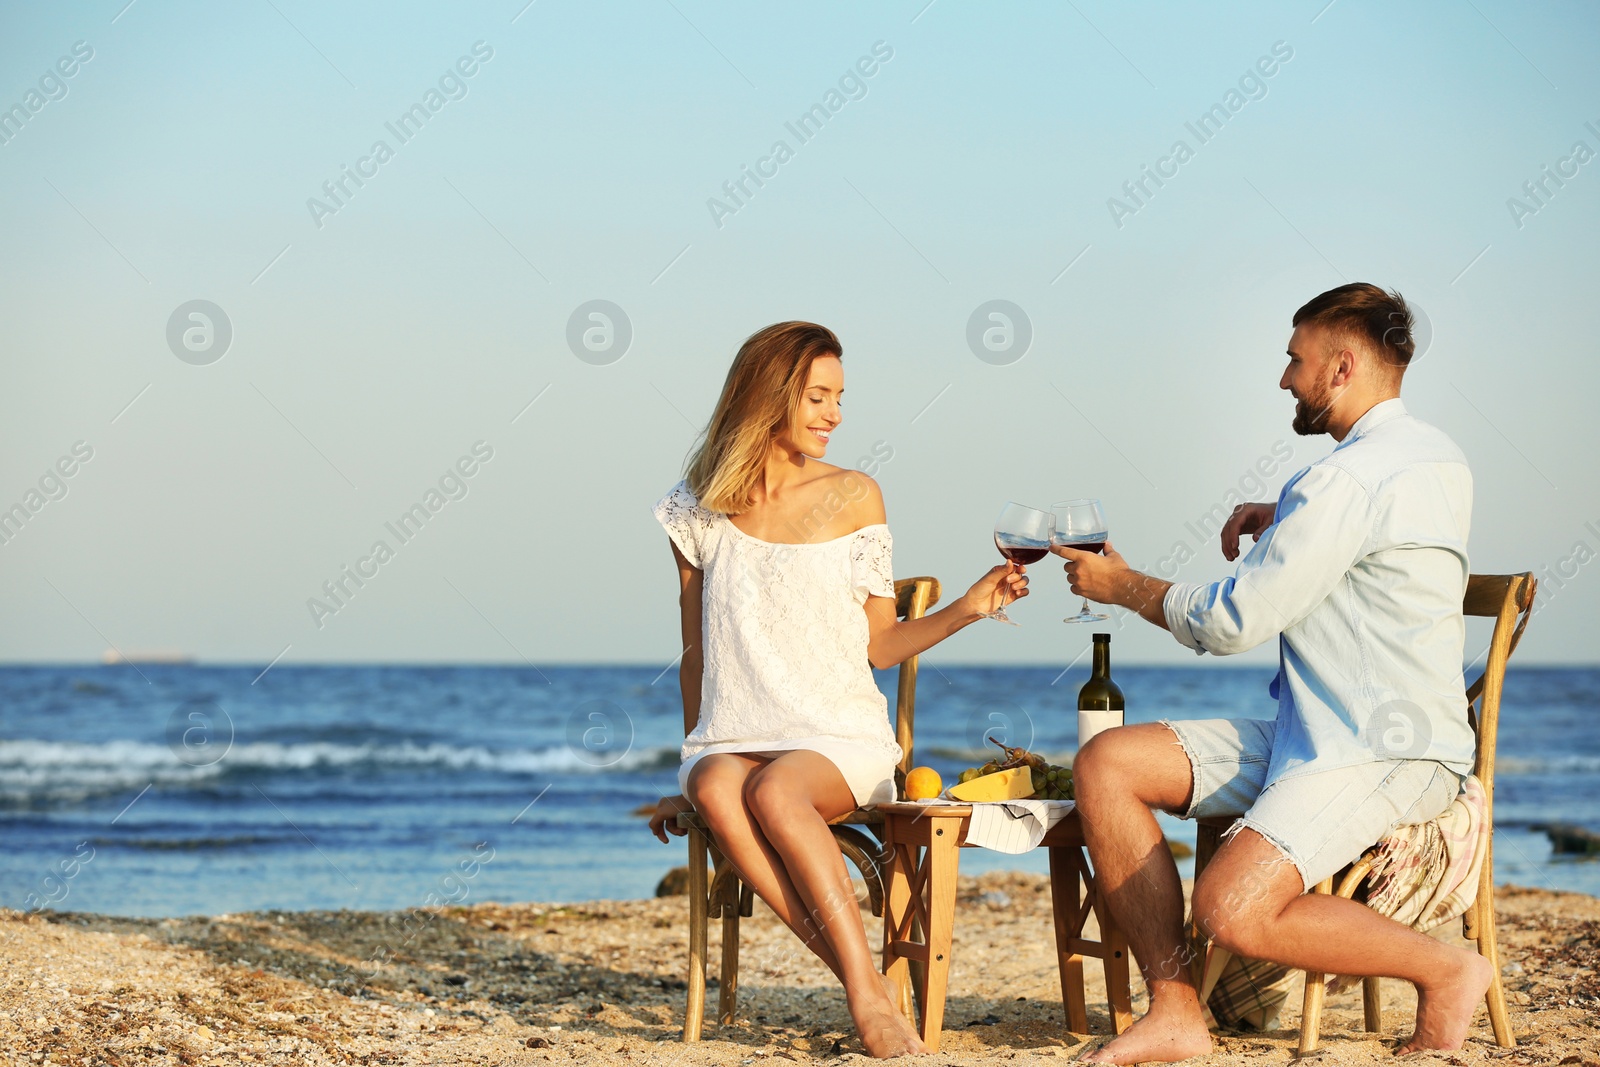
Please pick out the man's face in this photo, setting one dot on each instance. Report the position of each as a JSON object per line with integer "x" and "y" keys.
{"x": 1309, "y": 379}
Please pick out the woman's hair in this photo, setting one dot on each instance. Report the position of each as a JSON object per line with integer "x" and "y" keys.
{"x": 760, "y": 395}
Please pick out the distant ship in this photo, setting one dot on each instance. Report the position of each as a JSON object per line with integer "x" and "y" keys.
{"x": 167, "y": 656}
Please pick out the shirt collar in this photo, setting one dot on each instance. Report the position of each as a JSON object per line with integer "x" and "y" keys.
{"x": 1376, "y": 416}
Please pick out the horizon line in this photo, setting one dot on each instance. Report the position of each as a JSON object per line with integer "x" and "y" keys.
{"x": 1215, "y": 664}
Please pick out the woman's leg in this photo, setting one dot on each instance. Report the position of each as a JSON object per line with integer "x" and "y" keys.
{"x": 716, "y": 787}
{"x": 791, "y": 799}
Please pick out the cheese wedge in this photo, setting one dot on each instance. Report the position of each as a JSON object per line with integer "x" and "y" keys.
{"x": 1013, "y": 784}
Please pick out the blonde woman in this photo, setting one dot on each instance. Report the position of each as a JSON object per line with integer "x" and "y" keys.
{"x": 787, "y": 600}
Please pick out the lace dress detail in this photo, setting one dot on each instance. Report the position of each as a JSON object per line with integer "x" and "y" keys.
{"x": 785, "y": 644}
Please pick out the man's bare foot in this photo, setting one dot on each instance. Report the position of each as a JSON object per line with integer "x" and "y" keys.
{"x": 1445, "y": 1010}
{"x": 1164, "y": 1035}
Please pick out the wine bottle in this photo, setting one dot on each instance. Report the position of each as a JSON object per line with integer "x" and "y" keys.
{"x": 1100, "y": 700}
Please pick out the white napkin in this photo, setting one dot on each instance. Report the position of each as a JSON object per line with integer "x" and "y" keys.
{"x": 1010, "y": 826}
{"x": 1014, "y": 826}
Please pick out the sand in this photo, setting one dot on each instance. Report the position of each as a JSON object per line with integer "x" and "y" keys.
{"x": 603, "y": 982}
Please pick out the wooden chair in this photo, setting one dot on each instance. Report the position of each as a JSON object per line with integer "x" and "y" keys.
{"x": 719, "y": 893}
{"x": 1508, "y": 599}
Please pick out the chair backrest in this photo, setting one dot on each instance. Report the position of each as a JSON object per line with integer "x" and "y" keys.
{"x": 912, "y": 598}
{"x": 1508, "y": 599}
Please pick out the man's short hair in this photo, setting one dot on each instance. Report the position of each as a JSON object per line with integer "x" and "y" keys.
{"x": 1361, "y": 311}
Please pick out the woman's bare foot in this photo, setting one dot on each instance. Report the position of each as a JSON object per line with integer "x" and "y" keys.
{"x": 1164, "y": 1035}
{"x": 907, "y": 1027}
{"x": 1445, "y": 1010}
{"x": 884, "y": 1031}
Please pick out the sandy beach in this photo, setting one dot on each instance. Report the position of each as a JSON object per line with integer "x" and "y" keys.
{"x": 603, "y": 982}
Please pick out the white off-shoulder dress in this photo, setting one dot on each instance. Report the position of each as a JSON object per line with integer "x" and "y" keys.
{"x": 785, "y": 645}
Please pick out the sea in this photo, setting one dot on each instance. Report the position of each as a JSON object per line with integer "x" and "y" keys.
{"x": 169, "y": 790}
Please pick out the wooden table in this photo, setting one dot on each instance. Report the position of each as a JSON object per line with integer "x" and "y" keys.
{"x": 924, "y": 843}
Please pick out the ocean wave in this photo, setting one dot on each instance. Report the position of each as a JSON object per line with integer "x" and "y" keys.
{"x": 191, "y": 844}
{"x": 33, "y": 770}
{"x": 1569, "y": 764}
{"x": 978, "y": 756}
{"x": 952, "y": 752}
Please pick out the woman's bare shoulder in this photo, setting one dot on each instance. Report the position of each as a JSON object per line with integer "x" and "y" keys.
{"x": 863, "y": 494}
{"x": 850, "y": 495}
{"x": 828, "y": 478}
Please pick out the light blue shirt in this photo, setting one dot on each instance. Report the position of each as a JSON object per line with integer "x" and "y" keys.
{"x": 1361, "y": 577}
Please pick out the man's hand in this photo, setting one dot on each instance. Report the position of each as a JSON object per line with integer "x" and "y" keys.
{"x": 665, "y": 820}
{"x": 1250, "y": 519}
{"x": 1093, "y": 574}
{"x": 1107, "y": 579}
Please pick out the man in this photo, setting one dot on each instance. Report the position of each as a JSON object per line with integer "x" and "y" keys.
{"x": 1359, "y": 570}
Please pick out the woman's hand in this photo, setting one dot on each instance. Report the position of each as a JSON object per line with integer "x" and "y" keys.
{"x": 665, "y": 820}
{"x": 1009, "y": 580}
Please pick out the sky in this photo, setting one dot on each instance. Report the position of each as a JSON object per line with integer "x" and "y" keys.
{"x": 254, "y": 364}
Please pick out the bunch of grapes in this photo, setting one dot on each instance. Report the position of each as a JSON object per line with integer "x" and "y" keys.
{"x": 1054, "y": 783}
{"x": 978, "y": 772}
{"x": 1050, "y": 783}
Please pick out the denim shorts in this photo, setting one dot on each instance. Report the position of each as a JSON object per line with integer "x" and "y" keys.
{"x": 1320, "y": 820}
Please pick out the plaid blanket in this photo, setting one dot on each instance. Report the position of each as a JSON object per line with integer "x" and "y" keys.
{"x": 1423, "y": 875}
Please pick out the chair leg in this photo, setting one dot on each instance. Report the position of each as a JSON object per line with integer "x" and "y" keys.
{"x": 1489, "y": 949}
{"x": 694, "y": 1011}
{"x": 1206, "y": 960}
{"x": 1311, "y": 1012}
{"x": 1372, "y": 1004}
{"x": 1316, "y": 988}
{"x": 1206, "y": 839}
{"x": 728, "y": 983}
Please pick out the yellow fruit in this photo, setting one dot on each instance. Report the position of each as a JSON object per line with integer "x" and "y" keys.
{"x": 1013, "y": 784}
{"x": 923, "y": 783}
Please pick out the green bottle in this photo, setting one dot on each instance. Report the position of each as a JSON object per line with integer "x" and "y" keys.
{"x": 1100, "y": 699}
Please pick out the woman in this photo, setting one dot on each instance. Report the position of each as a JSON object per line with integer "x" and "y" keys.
{"x": 784, "y": 568}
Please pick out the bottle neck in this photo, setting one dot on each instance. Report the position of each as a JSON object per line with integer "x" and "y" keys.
{"x": 1102, "y": 660}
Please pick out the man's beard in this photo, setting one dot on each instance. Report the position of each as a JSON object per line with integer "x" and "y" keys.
{"x": 1313, "y": 413}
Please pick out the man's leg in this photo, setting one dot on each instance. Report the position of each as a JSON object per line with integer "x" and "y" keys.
{"x": 1118, "y": 777}
{"x": 1252, "y": 900}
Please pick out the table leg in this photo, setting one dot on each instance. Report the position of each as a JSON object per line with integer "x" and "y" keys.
{"x": 1115, "y": 947}
{"x": 943, "y": 859}
{"x": 896, "y": 901}
{"x": 1065, "y": 898}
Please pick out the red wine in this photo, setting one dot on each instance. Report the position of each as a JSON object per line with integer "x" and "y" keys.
{"x": 1085, "y": 546}
{"x": 1024, "y": 552}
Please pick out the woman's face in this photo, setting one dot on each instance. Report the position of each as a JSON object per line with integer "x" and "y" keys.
{"x": 819, "y": 412}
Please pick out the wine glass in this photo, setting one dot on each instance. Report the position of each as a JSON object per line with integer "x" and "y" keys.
{"x": 1081, "y": 524}
{"x": 1022, "y": 534}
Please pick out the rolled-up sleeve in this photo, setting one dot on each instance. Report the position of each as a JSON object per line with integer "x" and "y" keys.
{"x": 1175, "y": 606}
{"x": 1324, "y": 522}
